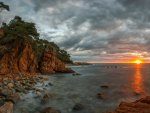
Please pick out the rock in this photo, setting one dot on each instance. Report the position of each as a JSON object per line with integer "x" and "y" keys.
{"x": 10, "y": 85}
{"x": 50, "y": 84}
{"x": 46, "y": 98}
{"x": 18, "y": 56}
{"x": 78, "y": 107}
{"x": 105, "y": 86}
{"x": 69, "y": 70}
{"x": 139, "y": 106}
{"x": 50, "y": 110}
{"x": 76, "y": 74}
{"x": 38, "y": 93}
{"x": 2, "y": 101}
{"x": 7, "y": 108}
{"x": 101, "y": 96}
{"x": 13, "y": 98}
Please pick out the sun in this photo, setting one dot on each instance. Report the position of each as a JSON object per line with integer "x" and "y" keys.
{"x": 138, "y": 61}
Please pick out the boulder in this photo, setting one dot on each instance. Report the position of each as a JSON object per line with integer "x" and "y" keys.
{"x": 139, "y": 106}
{"x": 7, "y": 108}
{"x": 50, "y": 110}
{"x": 78, "y": 107}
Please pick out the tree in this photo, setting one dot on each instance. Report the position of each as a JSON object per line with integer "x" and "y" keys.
{"x": 3, "y": 7}
{"x": 19, "y": 28}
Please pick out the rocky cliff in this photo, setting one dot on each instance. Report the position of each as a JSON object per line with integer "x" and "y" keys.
{"x": 50, "y": 63}
{"x": 19, "y": 55}
{"x": 23, "y": 52}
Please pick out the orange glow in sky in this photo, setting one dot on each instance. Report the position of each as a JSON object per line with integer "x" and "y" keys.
{"x": 138, "y": 61}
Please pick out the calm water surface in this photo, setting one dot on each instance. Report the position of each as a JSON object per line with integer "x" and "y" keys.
{"x": 127, "y": 82}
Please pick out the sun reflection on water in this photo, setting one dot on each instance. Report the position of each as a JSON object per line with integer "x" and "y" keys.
{"x": 138, "y": 80}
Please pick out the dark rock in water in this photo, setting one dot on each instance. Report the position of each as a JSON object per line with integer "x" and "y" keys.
{"x": 105, "y": 86}
{"x": 50, "y": 84}
{"x": 101, "y": 96}
{"x": 139, "y": 106}
{"x": 46, "y": 98}
{"x": 50, "y": 110}
{"x": 68, "y": 70}
{"x": 78, "y": 107}
{"x": 76, "y": 74}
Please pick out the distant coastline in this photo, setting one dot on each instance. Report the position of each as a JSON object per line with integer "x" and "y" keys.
{"x": 79, "y": 63}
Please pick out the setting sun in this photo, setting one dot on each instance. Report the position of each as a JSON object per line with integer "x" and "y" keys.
{"x": 138, "y": 61}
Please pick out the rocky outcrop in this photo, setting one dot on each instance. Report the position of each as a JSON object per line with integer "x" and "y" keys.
{"x": 139, "y": 106}
{"x": 19, "y": 57}
{"x": 50, "y": 63}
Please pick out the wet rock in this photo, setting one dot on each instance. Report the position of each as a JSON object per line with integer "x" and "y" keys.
{"x": 76, "y": 74}
{"x": 38, "y": 93}
{"x": 78, "y": 107}
{"x": 2, "y": 101}
{"x": 7, "y": 108}
{"x": 50, "y": 110}
{"x": 6, "y": 92}
{"x": 24, "y": 110}
{"x": 19, "y": 89}
{"x": 50, "y": 84}
{"x": 104, "y": 86}
{"x": 13, "y": 98}
{"x": 46, "y": 98}
{"x": 101, "y": 96}
{"x": 68, "y": 70}
{"x": 139, "y": 106}
{"x": 10, "y": 85}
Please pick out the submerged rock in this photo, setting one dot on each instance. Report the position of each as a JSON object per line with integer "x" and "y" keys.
{"x": 76, "y": 74}
{"x": 139, "y": 106}
{"x": 50, "y": 110}
{"x": 78, "y": 107}
{"x": 101, "y": 96}
{"x": 104, "y": 86}
{"x": 46, "y": 98}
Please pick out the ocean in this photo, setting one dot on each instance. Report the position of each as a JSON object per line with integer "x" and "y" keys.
{"x": 125, "y": 82}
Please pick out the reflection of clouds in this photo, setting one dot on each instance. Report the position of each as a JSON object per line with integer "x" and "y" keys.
{"x": 138, "y": 80}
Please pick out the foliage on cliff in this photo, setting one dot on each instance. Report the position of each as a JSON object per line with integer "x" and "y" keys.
{"x": 3, "y": 6}
{"x": 21, "y": 30}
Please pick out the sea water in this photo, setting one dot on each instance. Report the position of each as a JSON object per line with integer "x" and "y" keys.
{"x": 125, "y": 82}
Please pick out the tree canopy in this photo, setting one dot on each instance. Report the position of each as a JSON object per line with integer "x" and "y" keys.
{"x": 4, "y": 7}
{"x": 19, "y": 29}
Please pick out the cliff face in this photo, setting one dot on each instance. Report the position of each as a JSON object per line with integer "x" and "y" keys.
{"x": 50, "y": 63}
{"x": 18, "y": 56}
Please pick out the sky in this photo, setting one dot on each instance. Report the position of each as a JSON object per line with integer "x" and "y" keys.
{"x": 99, "y": 31}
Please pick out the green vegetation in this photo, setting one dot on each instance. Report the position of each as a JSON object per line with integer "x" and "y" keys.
{"x": 21, "y": 30}
{"x": 3, "y": 6}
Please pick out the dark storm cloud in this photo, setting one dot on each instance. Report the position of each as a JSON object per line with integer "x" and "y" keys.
{"x": 91, "y": 30}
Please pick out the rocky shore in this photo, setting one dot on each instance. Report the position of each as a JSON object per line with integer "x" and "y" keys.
{"x": 139, "y": 106}
{"x": 13, "y": 91}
